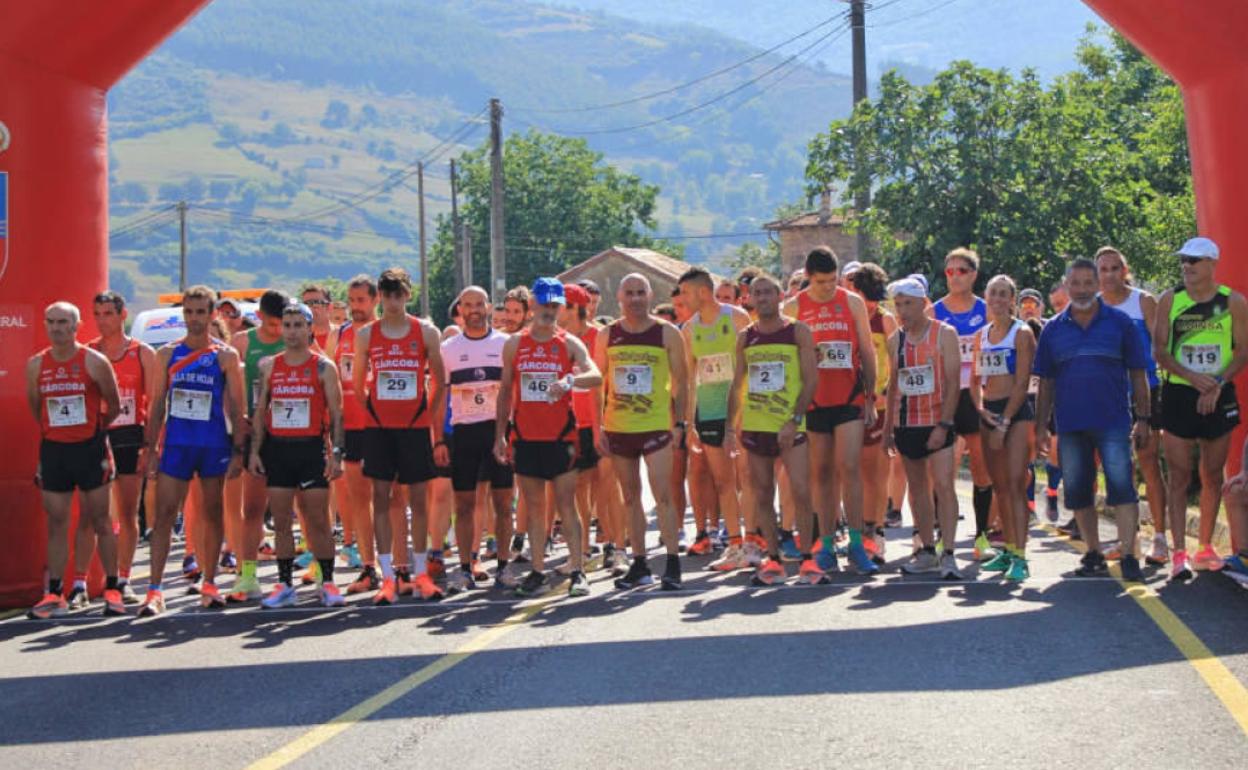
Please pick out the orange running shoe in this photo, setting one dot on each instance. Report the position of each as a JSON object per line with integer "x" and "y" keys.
{"x": 387, "y": 594}
{"x": 403, "y": 582}
{"x": 770, "y": 572}
{"x": 210, "y": 597}
{"x": 702, "y": 547}
{"x": 153, "y": 604}
{"x": 810, "y": 574}
{"x": 367, "y": 581}
{"x": 312, "y": 575}
{"x": 436, "y": 570}
{"x": 330, "y": 597}
{"x": 113, "y": 603}
{"x": 50, "y": 606}
{"x": 429, "y": 590}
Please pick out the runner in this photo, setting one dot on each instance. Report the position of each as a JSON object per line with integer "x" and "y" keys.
{"x": 230, "y": 316}
{"x": 1235, "y": 492}
{"x": 299, "y": 398}
{"x": 72, "y": 393}
{"x": 354, "y": 491}
{"x": 870, "y": 282}
{"x": 840, "y": 413}
{"x": 317, "y": 298}
{"x": 253, "y": 345}
{"x": 711, "y": 341}
{"x": 133, "y": 364}
{"x": 728, "y": 292}
{"x": 1201, "y": 341}
{"x": 1004, "y": 351}
{"x": 643, "y": 359}
{"x": 474, "y": 366}
{"x": 541, "y": 366}
{"x": 1084, "y": 359}
{"x": 595, "y": 296}
{"x": 967, "y": 314}
{"x": 196, "y": 381}
{"x": 774, "y": 382}
{"x": 587, "y": 406}
{"x": 398, "y": 361}
{"x": 517, "y": 309}
{"x": 1031, "y": 310}
{"x": 1141, "y": 307}
{"x": 924, "y": 376}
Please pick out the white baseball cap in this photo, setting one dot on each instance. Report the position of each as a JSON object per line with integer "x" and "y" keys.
{"x": 1201, "y": 247}
{"x": 850, "y": 268}
{"x": 909, "y": 287}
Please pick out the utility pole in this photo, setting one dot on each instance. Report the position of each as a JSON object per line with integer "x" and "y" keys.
{"x": 857, "y": 22}
{"x": 465, "y": 257}
{"x": 459, "y": 268}
{"x": 498, "y": 256}
{"x": 424, "y": 258}
{"x": 182, "y": 254}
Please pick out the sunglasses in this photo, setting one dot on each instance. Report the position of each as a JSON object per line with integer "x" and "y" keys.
{"x": 229, "y": 314}
{"x": 1191, "y": 260}
{"x": 958, "y": 271}
{"x": 317, "y": 302}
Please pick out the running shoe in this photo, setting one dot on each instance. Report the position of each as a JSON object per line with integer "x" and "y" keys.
{"x": 702, "y": 546}
{"x": 1071, "y": 529}
{"x": 769, "y": 573}
{"x": 403, "y": 582}
{"x": 1112, "y": 552}
{"x": 638, "y": 575}
{"x": 190, "y": 568}
{"x": 996, "y": 538}
{"x": 193, "y": 588}
{"x": 153, "y": 605}
{"x": 578, "y": 585}
{"x": 113, "y": 603}
{"x": 671, "y": 580}
{"x": 732, "y": 559}
{"x": 825, "y": 557}
{"x": 1051, "y": 510}
{"x": 892, "y": 519}
{"x": 1161, "y": 552}
{"x": 983, "y": 550}
{"x": 754, "y": 552}
{"x": 330, "y": 596}
{"x": 1237, "y": 563}
{"x": 50, "y": 606}
{"x": 436, "y": 570}
{"x": 78, "y": 599}
{"x": 1131, "y": 569}
{"x": 365, "y": 582}
{"x": 304, "y": 560}
{"x": 312, "y": 576}
{"x": 459, "y": 581}
{"x": 1018, "y": 571}
{"x": 350, "y": 555}
{"x": 916, "y": 542}
{"x": 788, "y": 546}
{"x": 428, "y": 589}
{"x": 877, "y": 546}
{"x": 810, "y": 574}
{"x": 478, "y": 572}
{"x": 1092, "y": 565}
{"x": 1179, "y": 570}
{"x": 999, "y": 563}
{"x": 922, "y": 563}
{"x": 245, "y": 589}
{"x": 534, "y": 584}
{"x": 386, "y": 595}
{"x": 491, "y": 548}
{"x": 229, "y": 562}
{"x": 857, "y": 554}
{"x": 265, "y": 551}
{"x": 281, "y": 596}
{"x": 210, "y": 597}
{"x": 949, "y": 567}
{"x": 1207, "y": 559}
{"x": 127, "y": 594}
{"x": 513, "y": 573}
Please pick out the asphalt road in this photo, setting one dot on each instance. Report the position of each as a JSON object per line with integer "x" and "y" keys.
{"x": 890, "y": 670}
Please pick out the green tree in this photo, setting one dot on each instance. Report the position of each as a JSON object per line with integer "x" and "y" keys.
{"x": 563, "y": 204}
{"x": 752, "y": 255}
{"x": 1023, "y": 173}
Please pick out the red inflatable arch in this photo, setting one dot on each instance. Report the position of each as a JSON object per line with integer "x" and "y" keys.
{"x": 59, "y": 59}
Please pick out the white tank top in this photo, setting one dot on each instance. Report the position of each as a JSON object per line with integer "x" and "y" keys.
{"x": 999, "y": 357}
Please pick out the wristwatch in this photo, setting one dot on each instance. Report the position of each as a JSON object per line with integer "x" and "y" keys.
{"x": 336, "y": 451}
{"x": 679, "y": 424}
{"x": 945, "y": 425}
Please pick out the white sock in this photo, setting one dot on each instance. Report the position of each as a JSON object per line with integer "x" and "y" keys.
{"x": 387, "y": 569}
{"x": 419, "y": 564}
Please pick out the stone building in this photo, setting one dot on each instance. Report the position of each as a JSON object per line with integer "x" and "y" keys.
{"x": 608, "y": 268}
{"x": 799, "y": 234}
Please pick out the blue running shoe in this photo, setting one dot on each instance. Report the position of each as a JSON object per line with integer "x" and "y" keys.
{"x": 351, "y": 555}
{"x": 861, "y": 560}
{"x": 282, "y": 595}
{"x": 1236, "y": 563}
{"x": 305, "y": 559}
{"x": 788, "y": 548}
{"x": 825, "y": 559}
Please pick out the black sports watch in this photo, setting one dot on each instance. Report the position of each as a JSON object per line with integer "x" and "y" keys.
{"x": 945, "y": 425}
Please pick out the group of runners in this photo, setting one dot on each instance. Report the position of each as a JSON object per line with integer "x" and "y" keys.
{"x": 835, "y": 390}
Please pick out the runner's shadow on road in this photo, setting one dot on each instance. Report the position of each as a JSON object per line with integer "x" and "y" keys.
{"x": 757, "y": 601}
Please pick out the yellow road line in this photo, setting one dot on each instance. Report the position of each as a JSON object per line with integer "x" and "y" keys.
{"x": 1218, "y": 678}
{"x": 317, "y": 736}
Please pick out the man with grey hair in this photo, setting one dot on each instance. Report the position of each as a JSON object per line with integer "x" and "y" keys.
{"x": 644, "y": 378}
{"x": 72, "y": 393}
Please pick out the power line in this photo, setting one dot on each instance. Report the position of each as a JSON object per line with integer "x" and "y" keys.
{"x": 687, "y": 83}
{"x": 138, "y": 224}
{"x": 915, "y": 15}
{"x": 257, "y": 220}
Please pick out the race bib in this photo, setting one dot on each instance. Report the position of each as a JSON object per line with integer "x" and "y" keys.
{"x": 67, "y": 411}
{"x": 917, "y": 380}
{"x": 835, "y": 355}
{"x": 290, "y": 413}
{"x": 767, "y": 377}
{"x": 634, "y": 379}
{"x": 1033, "y": 385}
{"x": 191, "y": 404}
{"x": 535, "y": 386}
{"x": 475, "y": 401}
{"x": 396, "y": 386}
{"x": 993, "y": 362}
{"x": 344, "y": 365}
{"x": 966, "y": 347}
{"x": 126, "y": 415}
{"x": 1202, "y": 359}
{"x": 714, "y": 368}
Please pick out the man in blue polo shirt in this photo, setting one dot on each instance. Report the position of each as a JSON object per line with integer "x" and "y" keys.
{"x": 1085, "y": 358}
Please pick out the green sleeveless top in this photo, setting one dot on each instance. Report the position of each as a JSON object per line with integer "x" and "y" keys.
{"x": 714, "y": 350}
{"x": 1200, "y": 333}
{"x": 256, "y": 350}
{"x": 773, "y": 379}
